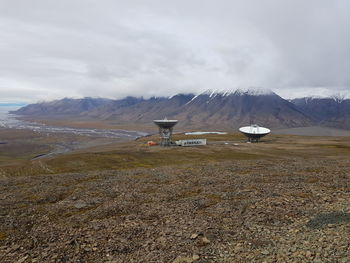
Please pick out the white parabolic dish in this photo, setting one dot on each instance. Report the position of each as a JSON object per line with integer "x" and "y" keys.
{"x": 254, "y": 130}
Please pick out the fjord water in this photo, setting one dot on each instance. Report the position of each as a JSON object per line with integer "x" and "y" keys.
{"x": 10, "y": 121}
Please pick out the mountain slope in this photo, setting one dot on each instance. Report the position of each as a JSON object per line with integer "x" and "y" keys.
{"x": 216, "y": 110}
{"x": 65, "y": 106}
{"x": 332, "y": 112}
{"x": 144, "y": 110}
{"x": 233, "y": 109}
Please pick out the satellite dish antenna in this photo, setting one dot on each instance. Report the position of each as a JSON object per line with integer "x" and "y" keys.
{"x": 254, "y": 132}
{"x": 165, "y": 130}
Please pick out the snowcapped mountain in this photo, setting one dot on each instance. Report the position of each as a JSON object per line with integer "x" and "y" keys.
{"x": 331, "y": 112}
{"x": 249, "y": 92}
{"x": 210, "y": 109}
{"x": 235, "y": 108}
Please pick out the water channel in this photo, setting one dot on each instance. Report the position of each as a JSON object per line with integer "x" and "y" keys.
{"x": 10, "y": 121}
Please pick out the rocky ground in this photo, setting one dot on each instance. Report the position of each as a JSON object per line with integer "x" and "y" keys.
{"x": 291, "y": 209}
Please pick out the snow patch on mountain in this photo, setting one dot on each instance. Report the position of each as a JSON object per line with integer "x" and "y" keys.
{"x": 235, "y": 92}
{"x": 255, "y": 92}
{"x": 192, "y": 99}
{"x": 336, "y": 98}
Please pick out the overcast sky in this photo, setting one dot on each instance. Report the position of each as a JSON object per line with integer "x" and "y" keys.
{"x": 51, "y": 49}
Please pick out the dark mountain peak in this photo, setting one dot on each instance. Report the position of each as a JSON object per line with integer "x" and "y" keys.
{"x": 182, "y": 96}
{"x": 130, "y": 100}
{"x": 340, "y": 97}
{"x": 180, "y": 99}
{"x": 255, "y": 92}
{"x": 154, "y": 98}
{"x": 326, "y": 111}
{"x": 63, "y": 107}
{"x": 317, "y": 99}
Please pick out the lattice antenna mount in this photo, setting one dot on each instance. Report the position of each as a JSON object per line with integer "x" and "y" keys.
{"x": 165, "y": 130}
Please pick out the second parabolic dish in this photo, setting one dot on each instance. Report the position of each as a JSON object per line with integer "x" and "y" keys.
{"x": 254, "y": 132}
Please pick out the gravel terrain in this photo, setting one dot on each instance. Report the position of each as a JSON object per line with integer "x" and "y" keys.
{"x": 285, "y": 210}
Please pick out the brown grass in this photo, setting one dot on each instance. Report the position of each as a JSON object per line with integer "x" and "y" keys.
{"x": 136, "y": 154}
{"x": 2, "y": 236}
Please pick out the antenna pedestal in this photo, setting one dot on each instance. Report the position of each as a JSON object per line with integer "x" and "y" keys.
{"x": 165, "y": 135}
{"x": 165, "y": 131}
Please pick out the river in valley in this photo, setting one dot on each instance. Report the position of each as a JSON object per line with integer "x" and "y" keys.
{"x": 10, "y": 121}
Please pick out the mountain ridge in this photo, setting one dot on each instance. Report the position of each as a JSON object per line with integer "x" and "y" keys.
{"x": 329, "y": 112}
{"x": 212, "y": 108}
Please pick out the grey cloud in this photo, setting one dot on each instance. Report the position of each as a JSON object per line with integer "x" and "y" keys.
{"x": 106, "y": 48}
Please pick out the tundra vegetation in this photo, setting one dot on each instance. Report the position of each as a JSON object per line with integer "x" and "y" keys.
{"x": 285, "y": 199}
